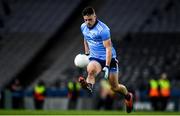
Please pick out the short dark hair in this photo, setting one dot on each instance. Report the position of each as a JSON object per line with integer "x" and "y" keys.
{"x": 88, "y": 11}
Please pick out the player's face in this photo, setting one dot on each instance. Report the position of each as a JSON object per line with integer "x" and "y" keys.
{"x": 90, "y": 20}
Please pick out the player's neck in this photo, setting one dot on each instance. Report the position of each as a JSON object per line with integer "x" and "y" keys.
{"x": 94, "y": 24}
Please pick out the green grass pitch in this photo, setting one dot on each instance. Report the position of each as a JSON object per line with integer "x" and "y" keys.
{"x": 82, "y": 112}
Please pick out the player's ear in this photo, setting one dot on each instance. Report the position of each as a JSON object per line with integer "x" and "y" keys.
{"x": 95, "y": 16}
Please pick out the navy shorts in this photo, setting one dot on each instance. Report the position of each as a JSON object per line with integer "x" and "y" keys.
{"x": 113, "y": 65}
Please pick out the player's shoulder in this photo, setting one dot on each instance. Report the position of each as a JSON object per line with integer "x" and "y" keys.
{"x": 83, "y": 25}
{"x": 102, "y": 26}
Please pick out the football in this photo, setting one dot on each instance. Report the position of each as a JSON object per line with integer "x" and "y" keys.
{"x": 81, "y": 60}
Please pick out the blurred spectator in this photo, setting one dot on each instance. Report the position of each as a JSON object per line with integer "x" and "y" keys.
{"x": 39, "y": 95}
{"x": 165, "y": 86}
{"x": 154, "y": 93}
{"x": 73, "y": 93}
{"x": 106, "y": 97}
{"x": 17, "y": 95}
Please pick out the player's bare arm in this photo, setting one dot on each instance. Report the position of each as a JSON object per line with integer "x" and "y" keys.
{"x": 108, "y": 46}
{"x": 86, "y": 47}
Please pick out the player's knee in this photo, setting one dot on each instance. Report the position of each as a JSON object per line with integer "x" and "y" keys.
{"x": 115, "y": 88}
{"x": 93, "y": 68}
{"x": 91, "y": 72}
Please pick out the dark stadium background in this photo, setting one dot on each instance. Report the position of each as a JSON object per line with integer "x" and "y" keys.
{"x": 40, "y": 38}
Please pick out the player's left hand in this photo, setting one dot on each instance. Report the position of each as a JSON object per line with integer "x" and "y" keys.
{"x": 106, "y": 72}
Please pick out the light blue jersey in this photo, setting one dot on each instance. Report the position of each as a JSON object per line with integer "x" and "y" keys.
{"x": 95, "y": 37}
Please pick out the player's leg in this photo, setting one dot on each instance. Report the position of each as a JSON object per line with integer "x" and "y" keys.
{"x": 116, "y": 87}
{"x": 93, "y": 69}
{"x": 119, "y": 88}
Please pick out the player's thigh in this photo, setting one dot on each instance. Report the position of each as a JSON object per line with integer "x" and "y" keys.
{"x": 113, "y": 75}
{"x": 94, "y": 66}
{"x": 113, "y": 79}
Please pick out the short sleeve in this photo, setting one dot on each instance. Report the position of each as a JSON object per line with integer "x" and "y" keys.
{"x": 105, "y": 34}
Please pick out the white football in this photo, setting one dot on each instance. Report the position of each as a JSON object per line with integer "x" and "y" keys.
{"x": 81, "y": 60}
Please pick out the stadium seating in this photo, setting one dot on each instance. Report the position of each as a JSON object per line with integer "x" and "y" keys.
{"x": 166, "y": 18}
{"x": 127, "y": 16}
{"x": 27, "y": 29}
{"x": 143, "y": 56}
